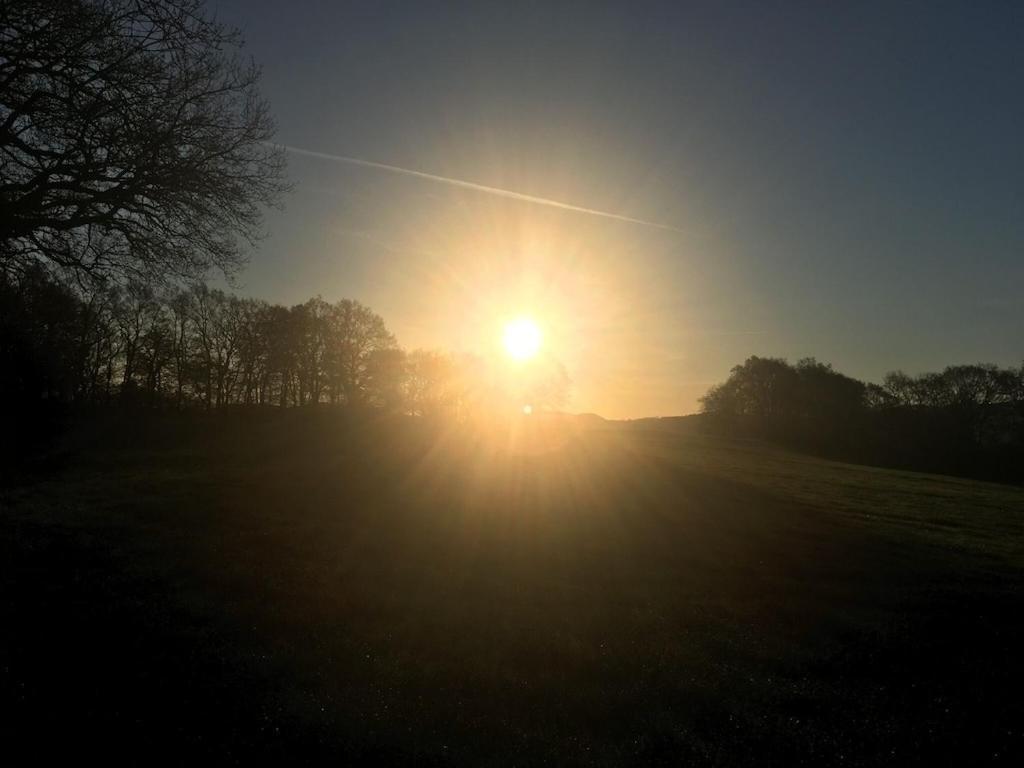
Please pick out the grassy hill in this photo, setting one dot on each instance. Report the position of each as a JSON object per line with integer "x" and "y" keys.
{"x": 292, "y": 586}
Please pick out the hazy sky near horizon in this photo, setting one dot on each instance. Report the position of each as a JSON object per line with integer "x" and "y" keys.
{"x": 843, "y": 181}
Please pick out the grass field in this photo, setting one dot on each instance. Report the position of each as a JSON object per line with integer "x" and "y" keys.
{"x": 294, "y": 587}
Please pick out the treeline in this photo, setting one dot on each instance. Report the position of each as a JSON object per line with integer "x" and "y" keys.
{"x": 198, "y": 347}
{"x": 966, "y": 420}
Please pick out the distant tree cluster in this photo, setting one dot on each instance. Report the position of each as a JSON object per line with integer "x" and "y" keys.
{"x": 200, "y": 347}
{"x": 769, "y": 394}
{"x": 966, "y": 419}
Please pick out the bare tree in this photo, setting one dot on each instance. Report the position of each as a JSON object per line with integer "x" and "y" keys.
{"x": 356, "y": 334}
{"x": 133, "y": 140}
{"x": 385, "y": 377}
{"x": 431, "y": 382}
{"x": 313, "y": 337}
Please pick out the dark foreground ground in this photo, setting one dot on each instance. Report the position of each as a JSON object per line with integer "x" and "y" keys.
{"x": 294, "y": 588}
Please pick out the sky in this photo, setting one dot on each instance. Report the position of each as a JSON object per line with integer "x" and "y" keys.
{"x": 666, "y": 188}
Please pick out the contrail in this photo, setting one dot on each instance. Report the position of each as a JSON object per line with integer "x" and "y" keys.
{"x": 477, "y": 187}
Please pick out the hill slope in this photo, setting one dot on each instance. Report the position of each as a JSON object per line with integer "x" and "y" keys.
{"x": 294, "y": 586}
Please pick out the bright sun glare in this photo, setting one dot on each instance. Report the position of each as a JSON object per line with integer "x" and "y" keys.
{"x": 522, "y": 338}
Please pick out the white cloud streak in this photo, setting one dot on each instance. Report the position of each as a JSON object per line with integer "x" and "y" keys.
{"x": 483, "y": 188}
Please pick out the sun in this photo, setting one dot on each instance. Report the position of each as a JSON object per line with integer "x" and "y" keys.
{"x": 522, "y": 338}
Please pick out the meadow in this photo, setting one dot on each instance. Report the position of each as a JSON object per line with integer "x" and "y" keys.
{"x": 294, "y": 586}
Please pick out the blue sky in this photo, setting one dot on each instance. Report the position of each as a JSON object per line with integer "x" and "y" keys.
{"x": 847, "y": 180}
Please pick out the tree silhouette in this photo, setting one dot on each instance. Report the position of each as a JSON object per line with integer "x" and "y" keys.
{"x": 432, "y": 383}
{"x": 133, "y": 139}
{"x": 357, "y": 335}
{"x": 966, "y": 419}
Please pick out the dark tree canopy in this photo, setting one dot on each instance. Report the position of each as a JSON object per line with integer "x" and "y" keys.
{"x": 966, "y": 419}
{"x": 133, "y": 140}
